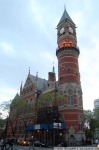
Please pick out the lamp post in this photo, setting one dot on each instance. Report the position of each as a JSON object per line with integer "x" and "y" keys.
{"x": 54, "y": 134}
{"x": 47, "y": 136}
{"x": 60, "y": 137}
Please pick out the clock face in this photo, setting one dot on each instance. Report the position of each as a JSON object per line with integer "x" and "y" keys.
{"x": 70, "y": 30}
{"x": 62, "y": 30}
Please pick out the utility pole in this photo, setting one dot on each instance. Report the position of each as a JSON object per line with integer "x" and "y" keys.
{"x": 55, "y": 94}
{"x": 53, "y": 134}
{"x": 53, "y": 137}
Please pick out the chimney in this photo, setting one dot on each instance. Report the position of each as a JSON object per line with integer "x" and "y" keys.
{"x": 51, "y": 76}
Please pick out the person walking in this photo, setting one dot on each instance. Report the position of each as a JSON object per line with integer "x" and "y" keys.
{"x": 96, "y": 141}
{"x": 3, "y": 144}
{"x": 83, "y": 142}
{"x": 11, "y": 142}
{"x": 31, "y": 143}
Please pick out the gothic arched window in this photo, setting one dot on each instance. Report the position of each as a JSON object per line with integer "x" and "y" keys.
{"x": 79, "y": 100}
{"x": 80, "y": 122}
{"x": 70, "y": 100}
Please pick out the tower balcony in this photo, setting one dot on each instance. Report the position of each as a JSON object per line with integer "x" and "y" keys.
{"x": 68, "y": 48}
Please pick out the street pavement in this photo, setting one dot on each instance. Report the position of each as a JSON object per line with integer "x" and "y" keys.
{"x": 19, "y": 147}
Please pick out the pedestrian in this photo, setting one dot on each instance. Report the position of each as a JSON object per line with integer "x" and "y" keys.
{"x": 10, "y": 142}
{"x": 96, "y": 141}
{"x": 31, "y": 143}
{"x": 1, "y": 143}
{"x": 83, "y": 142}
{"x": 4, "y": 143}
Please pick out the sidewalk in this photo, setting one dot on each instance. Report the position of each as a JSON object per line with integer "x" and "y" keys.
{"x": 93, "y": 145}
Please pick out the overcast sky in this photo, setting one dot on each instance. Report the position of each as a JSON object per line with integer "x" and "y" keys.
{"x": 28, "y": 38}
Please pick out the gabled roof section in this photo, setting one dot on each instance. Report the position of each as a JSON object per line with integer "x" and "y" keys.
{"x": 28, "y": 80}
{"x": 64, "y": 17}
{"x": 51, "y": 86}
{"x": 31, "y": 79}
{"x": 41, "y": 83}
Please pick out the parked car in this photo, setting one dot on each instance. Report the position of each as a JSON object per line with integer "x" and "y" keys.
{"x": 23, "y": 142}
{"x": 40, "y": 144}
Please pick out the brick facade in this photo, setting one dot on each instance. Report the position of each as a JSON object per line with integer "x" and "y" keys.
{"x": 68, "y": 85}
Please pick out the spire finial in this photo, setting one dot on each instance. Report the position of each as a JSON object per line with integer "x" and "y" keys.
{"x": 29, "y": 70}
{"x": 21, "y": 85}
{"x": 37, "y": 73}
{"x": 53, "y": 70}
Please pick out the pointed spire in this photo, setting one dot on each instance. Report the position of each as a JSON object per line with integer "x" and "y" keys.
{"x": 37, "y": 75}
{"x": 36, "y": 80}
{"x": 65, "y": 16}
{"x": 53, "y": 69}
{"x": 29, "y": 70}
{"x": 21, "y": 86}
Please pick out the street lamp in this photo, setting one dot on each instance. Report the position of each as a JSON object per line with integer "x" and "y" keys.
{"x": 54, "y": 133}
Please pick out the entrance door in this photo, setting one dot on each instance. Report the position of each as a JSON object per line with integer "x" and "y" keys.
{"x": 72, "y": 140}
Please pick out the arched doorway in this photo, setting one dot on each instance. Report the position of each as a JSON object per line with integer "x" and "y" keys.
{"x": 72, "y": 140}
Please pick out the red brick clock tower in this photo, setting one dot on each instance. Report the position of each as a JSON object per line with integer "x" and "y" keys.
{"x": 69, "y": 79}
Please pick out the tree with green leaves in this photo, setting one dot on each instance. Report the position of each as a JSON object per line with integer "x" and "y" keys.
{"x": 4, "y": 116}
{"x": 88, "y": 114}
{"x": 91, "y": 118}
{"x": 2, "y": 121}
{"x": 17, "y": 109}
{"x": 49, "y": 99}
{"x": 96, "y": 113}
{"x": 20, "y": 110}
{"x": 96, "y": 116}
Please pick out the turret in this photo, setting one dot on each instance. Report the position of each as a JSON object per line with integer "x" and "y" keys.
{"x": 67, "y": 51}
{"x": 51, "y": 75}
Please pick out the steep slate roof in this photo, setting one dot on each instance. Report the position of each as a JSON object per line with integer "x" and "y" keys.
{"x": 64, "y": 17}
{"x": 40, "y": 81}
